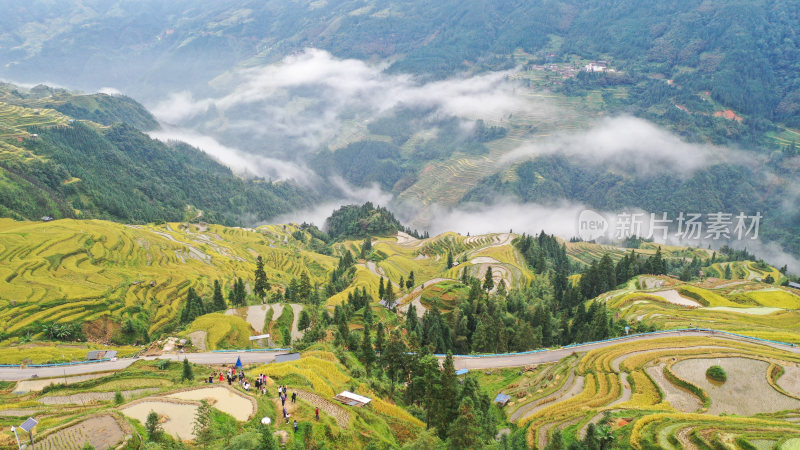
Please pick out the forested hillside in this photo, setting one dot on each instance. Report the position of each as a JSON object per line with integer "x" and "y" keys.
{"x": 59, "y": 166}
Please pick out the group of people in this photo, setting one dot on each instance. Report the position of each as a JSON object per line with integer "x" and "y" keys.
{"x": 231, "y": 376}
{"x": 260, "y": 386}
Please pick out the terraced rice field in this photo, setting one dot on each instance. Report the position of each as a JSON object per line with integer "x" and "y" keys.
{"x": 101, "y": 432}
{"x": 79, "y": 271}
{"x": 658, "y": 386}
{"x": 745, "y": 307}
{"x": 238, "y": 405}
{"x": 179, "y": 414}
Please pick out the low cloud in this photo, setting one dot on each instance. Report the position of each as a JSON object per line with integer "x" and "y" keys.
{"x": 109, "y": 91}
{"x": 238, "y": 161}
{"x": 560, "y": 219}
{"x": 347, "y": 195}
{"x": 301, "y": 103}
{"x": 631, "y": 144}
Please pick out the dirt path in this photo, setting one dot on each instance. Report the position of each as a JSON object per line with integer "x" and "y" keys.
{"x": 101, "y": 432}
{"x": 675, "y": 298}
{"x": 296, "y": 309}
{"x": 198, "y": 339}
{"x": 255, "y": 315}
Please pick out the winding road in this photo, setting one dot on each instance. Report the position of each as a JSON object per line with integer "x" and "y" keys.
{"x": 460, "y": 362}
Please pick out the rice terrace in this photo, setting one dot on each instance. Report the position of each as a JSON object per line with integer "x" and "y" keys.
{"x": 400, "y": 225}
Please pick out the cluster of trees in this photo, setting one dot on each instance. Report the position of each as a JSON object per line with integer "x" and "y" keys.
{"x": 355, "y": 221}
{"x": 195, "y": 306}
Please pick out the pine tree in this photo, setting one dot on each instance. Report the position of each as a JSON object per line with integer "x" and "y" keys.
{"x": 202, "y": 423}
{"x": 267, "y": 440}
{"x": 188, "y": 373}
{"x": 304, "y": 292}
{"x": 394, "y": 358}
{"x": 465, "y": 431}
{"x": 368, "y": 315}
{"x": 381, "y": 290}
{"x": 379, "y": 337}
{"x": 218, "y": 301}
{"x": 389, "y": 293}
{"x": 449, "y": 260}
{"x": 367, "y": 352}
{"x": 410, "y": 282}
{"x": 446, "y": 406}
{"x": 304, "y": 321}
{"x": 728, "y": 272}
{"x": 402, "y": 284}
{"x": 153, "y": 426}
{"x": 261, "y": 284}
{"x": 488, "y": 280}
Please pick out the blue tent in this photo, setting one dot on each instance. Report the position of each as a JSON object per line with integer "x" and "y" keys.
{"x": 238, "y": 362}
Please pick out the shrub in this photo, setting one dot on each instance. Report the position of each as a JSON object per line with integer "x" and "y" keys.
{"x": 717, "y": 373}
{"x": 118, "y": 398}
{"x": 188, "y": 373}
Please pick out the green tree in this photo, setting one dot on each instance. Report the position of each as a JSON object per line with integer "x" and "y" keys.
{"x": 304, "y": 321}
{"x": 188, "y": 373}
{"x": 556, "y": 442}
{"x": 449, "y": 260}
{"x": 769, "y": 279}
{"x": 218, "y": 300}
{"x": 304, "y": 289}
{"x": 202, "y": 423}
{"x": 728, "y": 274}
{"x": 368, "y": 315}
{"x": 366, "y": 247}
{"x": 261, "y": 284}
{"x": 488, "y": 280}
{"x": 381, "y": 290}
{"x": 267, "y": 440}
{"x": 395, "y": 358}
{"x": 402, "y": 284}
{"x": 465, "y": 431}
{"x": 390, "y": 297}
{"x": 286, "y": 335}
{"x": 367, "y": 352}
{"x": 379, "y": 337}
{"x": 410, "y": 282}
{"x": 446, "y": 406}
{"x": 153, "y": 426}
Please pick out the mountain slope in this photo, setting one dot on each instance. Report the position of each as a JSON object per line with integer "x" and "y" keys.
{"x": 56, "y": 165}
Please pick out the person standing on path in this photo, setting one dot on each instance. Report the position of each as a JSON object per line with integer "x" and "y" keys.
{"x": 295, "y": 426}
{"x": 316, "y": 412}
{"x": 294, "y": 397}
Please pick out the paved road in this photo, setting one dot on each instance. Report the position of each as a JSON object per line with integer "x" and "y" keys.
{"x": 16, "y": 374}
{"x": 492, "y": 362}
{"x": 486, "y": 362}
